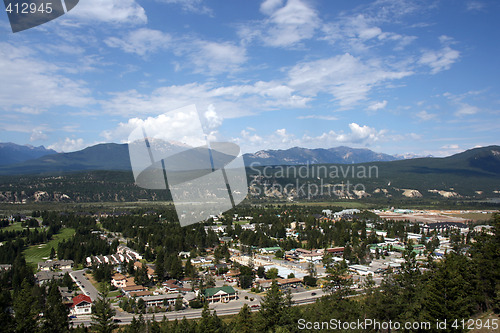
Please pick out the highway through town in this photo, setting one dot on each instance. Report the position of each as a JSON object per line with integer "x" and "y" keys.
{"x": 222, "y": 309}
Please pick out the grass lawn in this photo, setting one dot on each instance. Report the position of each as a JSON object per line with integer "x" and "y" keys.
{"x": 13, "y": 227}
{"x": 37, "y": 253}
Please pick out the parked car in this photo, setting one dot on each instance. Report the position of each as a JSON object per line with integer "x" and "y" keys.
{"x": 313, "y": 294}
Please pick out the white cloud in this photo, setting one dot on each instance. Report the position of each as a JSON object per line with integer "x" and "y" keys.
{"x": 347, "y": 78}
{"x": 110, "y": 11}
{"x": 363, "y": 134}
{"x": 377, "y": 105}
{"x": 29, "y": 110}
{"x": 424, "y": 115}
{"x": 268, "y": 7}
{"x": 68, "y": 145}
{"x": 439, "y": 60}
{"x": 314, "y": 116}
{"x": 282, "y": 139}
{"x": 451, "y": 146}
{"x": 194, "y": 6}
{"x": 38, "y": 135}
{"x": 203, "y": 56}
{"x": 463, "y": 108}
{"x": 475, "y": 6}
{"x": 252, "y": 139}
{"x": 31, "y": 85}
{"x": 230, "y": 101}
{"x": 212, "y": 118}
{"x": 215, "y": 58}
{"x": 360, "y": 31}
{"x": 141, "y": 42}
{"x": 466, "y": 109}
{"x": 286, "y": 25}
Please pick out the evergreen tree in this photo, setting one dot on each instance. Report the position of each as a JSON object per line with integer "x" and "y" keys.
{"x": 244, "y": 322}
{"x": 448, "y": 291}
{"x": 55, "y": 314}
{"x": 26, "y": 309}
{"x": 272, "y": 308}
{"x": 179, "y": 305}
{"x": 103, "y": 313}
{"x": 209, "y": 323}
{"x": 189, "y": 269}
{"x": 160, "y": 265}
{"x": 5, "y": 302}
{"x": 339, "y": 281}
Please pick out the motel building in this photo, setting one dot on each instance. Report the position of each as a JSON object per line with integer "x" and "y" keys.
{"x": 220, "y": 294}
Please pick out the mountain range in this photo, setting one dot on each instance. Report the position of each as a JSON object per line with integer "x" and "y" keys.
{"x": 103, "y": 173}
{"x": 17, "y": 159}
{"x": 11, "y": 153}
{"x": 301, "y": 156}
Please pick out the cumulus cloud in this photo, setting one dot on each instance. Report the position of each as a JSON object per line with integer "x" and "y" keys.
{"x": 377, "y": 105}
{"x": 30, "y": 85}
{"x": 141, "y": 42}
{"x": 424, "y": 115}
{"x": 68, "y": 145}
{"x": 230, "y": 101}
{"x": 193, "y": 6}
{"x": 110, "y": 11}
{"x": 360, "y": 31}
{"x": 358, "y": 135}
{"x": 286, "y": 24}
{"x": 347, "y": 78}
{"x": 183, "y": 125}
{"x": 315, "y": 116}
{"x": 38, "y": 135}
{"x": 268, "y": 7}
{"x": 439, "y": 60}
{"x": 203, "y": 56}
{"x": 466, "y": 110}
{"x": 214, "y": 58}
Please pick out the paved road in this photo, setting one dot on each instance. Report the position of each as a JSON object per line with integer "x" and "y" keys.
{"x": 223, "y": 309}
{"x": 84, "y": 284}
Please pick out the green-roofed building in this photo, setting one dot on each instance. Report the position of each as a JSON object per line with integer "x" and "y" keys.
{"x": 265, "y": 250}
{"x": 222, "y": 294}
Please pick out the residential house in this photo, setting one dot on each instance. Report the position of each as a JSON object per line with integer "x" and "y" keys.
{"x": 150, "y": 271}
{"x": 52, "y": 265}
{"x": 44, "y": 277}
{"x": 119, "y": 280}
{"x": 82, "y": 305}
{"x": 131, "y": 289}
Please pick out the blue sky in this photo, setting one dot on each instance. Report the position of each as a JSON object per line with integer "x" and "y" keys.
{"x": 395, "y": 76}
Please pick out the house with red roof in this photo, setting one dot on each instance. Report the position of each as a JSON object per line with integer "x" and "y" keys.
{"x": 82, "y": 304}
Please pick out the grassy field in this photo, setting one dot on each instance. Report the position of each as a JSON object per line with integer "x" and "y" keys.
{"x": 37, "y": 253}
{"x": 343, "y": 204}
{"x": 16, "y": 226}
{"x": 474, "y": 216}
